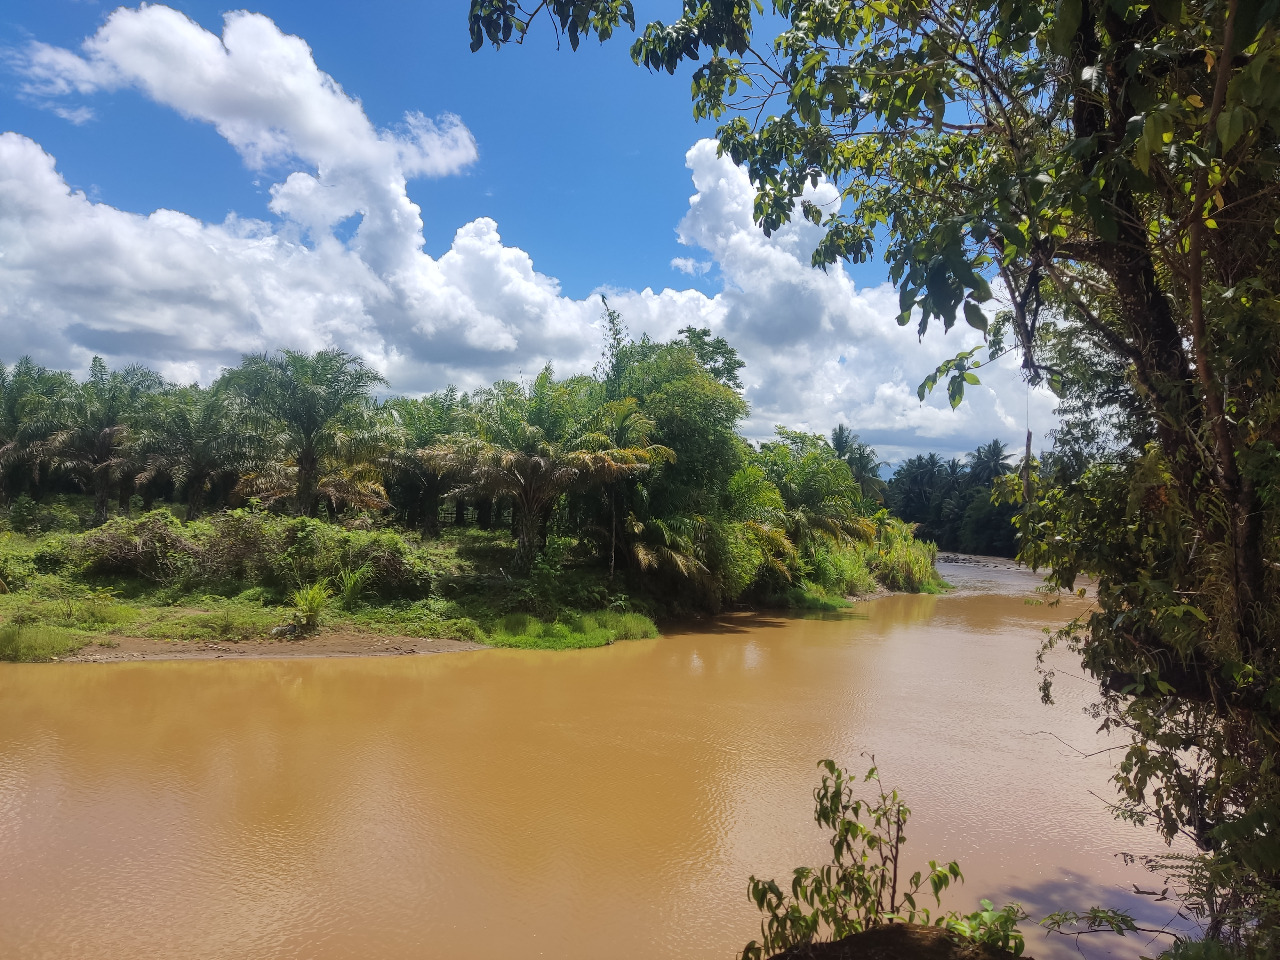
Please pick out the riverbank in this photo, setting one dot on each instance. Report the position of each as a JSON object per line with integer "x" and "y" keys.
{"x": 325, "y": 643}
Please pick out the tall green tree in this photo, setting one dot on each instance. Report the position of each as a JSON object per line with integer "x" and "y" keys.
{"x": 89, "y": 429}
{"x": 821, "y": 500}
{"x": 28, "y": 395}
{"x": 423, "y": 422}
{"x": 195, "y": 436}
{"x": 864, "y": 463}
{"x": 317, "y": 412}
{"x": 534, "y": 445}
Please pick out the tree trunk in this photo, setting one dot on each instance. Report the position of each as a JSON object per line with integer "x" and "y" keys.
{"x": 484, "y": 514}
{"x": 127, "y": 487}
{"x": 431, "y": 508}
{"x": 459, "y": 512}
{"x": 195, "y": 498}
{"x": 101, "y": 501}
{"x": 613, "y": 530}
{"x": 527, "y": 524}
{"x": 305, "y": 494}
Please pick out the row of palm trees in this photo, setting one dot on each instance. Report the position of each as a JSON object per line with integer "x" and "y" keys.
{"x": 641, "y": 462}
{"x": 951, "y": 500}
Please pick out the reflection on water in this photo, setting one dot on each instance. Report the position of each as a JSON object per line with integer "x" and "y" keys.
{"x": 604, "y": 803}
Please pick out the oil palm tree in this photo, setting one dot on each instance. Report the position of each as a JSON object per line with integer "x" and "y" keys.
{"x": 195, "y": 436}
{"x": 533, "y": 444}
{"x": 424, "y": 422}
{"x": 822, "y": 501}
{"x": 623, "y": 431}
{"x": 90, "y": 433}
{"x": 317, "y": 413}
{"x": 28, "y": 394}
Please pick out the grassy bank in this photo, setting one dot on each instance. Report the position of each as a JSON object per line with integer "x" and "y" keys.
{"x": 249, "y": 575}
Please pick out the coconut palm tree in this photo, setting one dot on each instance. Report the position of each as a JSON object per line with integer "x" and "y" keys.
{"x": 989, "y": 461}
{"x": 316, "y": 411}
{"x": 534, "y": 445}
{"x": 862, "y": 460}
{"x": 195, "y": 436}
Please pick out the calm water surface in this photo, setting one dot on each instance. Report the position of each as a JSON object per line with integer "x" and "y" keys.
{"x": 602, "y": 803}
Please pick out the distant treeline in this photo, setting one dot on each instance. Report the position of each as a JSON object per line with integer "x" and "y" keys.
{"x": 952, "y": 503}
{"x": 637, "y": 468}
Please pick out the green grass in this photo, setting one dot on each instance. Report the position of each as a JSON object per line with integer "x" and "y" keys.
{"x": 22, "y": 643}
{"x": 228, "y": 621}
{"x": 527, "y": 632}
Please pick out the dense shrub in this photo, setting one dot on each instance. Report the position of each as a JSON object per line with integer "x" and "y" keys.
{"x": 58, "y": 513}
{"x": 249, "y": 548}
{"x": 901, "y": 562}
{"x": 153, "y": 547}
{"x": 844, "y": 571}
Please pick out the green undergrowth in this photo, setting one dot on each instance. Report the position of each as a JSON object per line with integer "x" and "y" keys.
{"x": 237, "y": 575}
{"x": 570, "y": 632}
{"x": 23, "y": 643}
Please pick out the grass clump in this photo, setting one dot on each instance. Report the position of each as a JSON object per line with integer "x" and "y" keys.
{"x": 37, "y": 643}
{"x": 570, "y": 632}
{"x": 228, "y": 621}
{"x": 898, "y": 561}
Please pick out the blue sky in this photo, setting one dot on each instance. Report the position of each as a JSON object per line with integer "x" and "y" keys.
{"x": 496, "y": 195}
{"x": 564, "y": 139}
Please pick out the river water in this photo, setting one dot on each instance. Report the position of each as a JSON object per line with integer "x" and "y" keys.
{"x": 595, "y": 804}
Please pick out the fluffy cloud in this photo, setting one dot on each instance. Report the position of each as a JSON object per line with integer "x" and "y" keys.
{"x": 78, "y": 278}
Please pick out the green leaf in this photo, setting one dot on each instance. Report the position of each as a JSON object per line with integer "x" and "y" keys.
{"x": 1066, "y": 22}
{"x": 1230, "y": 127}
{"x": 974, "y": 316}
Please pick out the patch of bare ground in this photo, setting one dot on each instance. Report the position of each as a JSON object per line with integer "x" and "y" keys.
{"x": 897, "y": 941}
{"x": 339, "y": 642}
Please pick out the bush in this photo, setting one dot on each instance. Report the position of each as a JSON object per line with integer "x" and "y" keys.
{"x": 17, "y": 565}
{"x": 153, "y": 547}
{"x": 22, "y": 643}
{"x": 246, "y": 548}
{"x": 28, "y": 517}
{"x": 570, "y": 632}
{"x": 843, "y": 571}
{"x": 901, "y": 562}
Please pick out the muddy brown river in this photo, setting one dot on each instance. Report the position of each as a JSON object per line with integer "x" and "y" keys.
{"x": 597, "y": 804}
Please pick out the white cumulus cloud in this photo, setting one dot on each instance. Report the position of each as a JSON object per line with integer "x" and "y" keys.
{"x": 78, "y": 277}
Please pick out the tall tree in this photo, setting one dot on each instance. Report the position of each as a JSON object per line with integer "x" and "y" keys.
{"x": 864, "y": 463}
{"x": 989, "y": 461}
{"x": 534, "y": 444}
{"x": 317, "y": 411}
{"x": 90, "y": 434}
{"x": 28, "y": 395}
{"x": 195, "y": 436}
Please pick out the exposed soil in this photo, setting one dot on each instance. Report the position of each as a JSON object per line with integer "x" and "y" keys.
{"x": 897, "y": 941}
{"x": 326, "y": 643}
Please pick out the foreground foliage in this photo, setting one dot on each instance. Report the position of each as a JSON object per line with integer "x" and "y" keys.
{"x": 865, "y": 884}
